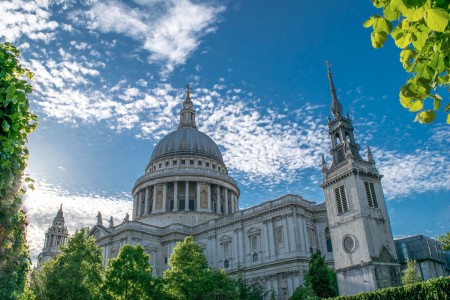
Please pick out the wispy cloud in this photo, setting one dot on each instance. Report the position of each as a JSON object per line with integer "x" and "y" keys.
{"x": 418, "y": 171}
{"x": 27, "y": 18}
{"x": 169, "y": 30}
{"x": 80, "y": 211}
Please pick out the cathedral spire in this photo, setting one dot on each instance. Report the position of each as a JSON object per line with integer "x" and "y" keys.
{"x": 59, "y": 218}
{"x": 187, "y": 114}
{"x": 336, "y": 108}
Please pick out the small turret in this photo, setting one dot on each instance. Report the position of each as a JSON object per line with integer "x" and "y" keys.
{"x": 187, "y": 114}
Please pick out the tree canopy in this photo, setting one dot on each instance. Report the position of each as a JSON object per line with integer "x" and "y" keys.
{"x": 411, "y": 274}
{"x": 76, "y": 273}
{"x": 189, "y": 277}
{"x": 320, "y": 277}
{"x": 445, "y": 241}
{"x": 421, "y": 29}
{"x": 16, "y": 122}
{"x": 129, "y": 276}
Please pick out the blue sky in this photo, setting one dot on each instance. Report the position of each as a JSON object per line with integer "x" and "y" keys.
{"x": 110, "y": 82}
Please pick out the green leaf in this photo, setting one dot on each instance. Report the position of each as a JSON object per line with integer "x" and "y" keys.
{"x": 436, "y": 18}
{"x": 369, "y": 22}
{"x": 416, "y": 106}
{"x": 447, "y": 108}
{"x": 382, "y": 25}
{"x": 378, "y": 39}
{"x": 436, "y": 102}
{"x": 5, "y": 126}
{"x": 414, "y": 14}
{"x": 405, "y": 57}
{"x": 448, "y": 119}
{"x": 402, "y": 39}
{"x": 426, "y": 117}
{"x": 420, "y": 37}
{"x": 398, "y": 5}
{"x": 390, "y": 14}
{"x": 11, "y": 90}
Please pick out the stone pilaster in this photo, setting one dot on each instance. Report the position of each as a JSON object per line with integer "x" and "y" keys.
{"x": 186, "y": 198}
{"x": 175, "y": 196}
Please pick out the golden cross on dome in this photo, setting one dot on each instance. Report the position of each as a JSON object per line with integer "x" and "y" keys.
{"x": 188, "y": 89}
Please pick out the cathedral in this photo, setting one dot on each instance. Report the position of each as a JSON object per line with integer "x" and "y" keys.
{"x": 186, "y": 191}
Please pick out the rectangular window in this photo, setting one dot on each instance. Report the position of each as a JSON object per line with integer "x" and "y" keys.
{"x": 254, "y": 243}
{"x": 167, "y": 163}
{"x": 207, "y": 164}
{"x": 279, "y": 236}
{"x": 183, "y": 162}
{"x": 341, "y": 199}
{"x": 175, "y": 162}
{"x": 199, "y": 163}
{"x": 191, "y": 162}
{"x": 370, "y": 194}
{"x": 214, "y": 166}
{"x": 160, "y": 166}
{"x": 405, "y": 251}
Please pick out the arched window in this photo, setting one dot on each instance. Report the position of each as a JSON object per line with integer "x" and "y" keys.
{"x": 226, "y": 263}
{"x": 337, "y": 139}
{"x": 347, "y": 137}
{"x": 328, "y": 240}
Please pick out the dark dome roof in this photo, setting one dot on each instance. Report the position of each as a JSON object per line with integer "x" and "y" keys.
{"x": 186, "y": 141}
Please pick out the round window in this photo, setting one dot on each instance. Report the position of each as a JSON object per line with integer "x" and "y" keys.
{"x": 349, "y": 243}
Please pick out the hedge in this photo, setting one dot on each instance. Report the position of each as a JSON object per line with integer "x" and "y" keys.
{"x": 433, "y": 289}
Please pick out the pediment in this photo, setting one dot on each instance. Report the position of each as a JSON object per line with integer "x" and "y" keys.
{"x": 225, "y": 239}
{"x": 384, "y": 256}
{"x": 253, "y": 231}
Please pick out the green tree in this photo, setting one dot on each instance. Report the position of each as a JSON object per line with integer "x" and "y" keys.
{"x": 320, "y": 277}
{"x": 16, "y": 122}
{"x": 76, "y": 273}
{"x": 305, "y": 292}
{"x": 420, "y": 28}
{"x": 129, "y": 276}
{"x": 411, "y": 274}
{"x": 16, "y": 263}
{"x": 445, "y": 241}
{"x": 190, "y": 278}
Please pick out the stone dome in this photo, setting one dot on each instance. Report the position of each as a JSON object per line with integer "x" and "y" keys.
{"x": 186, "y": 141}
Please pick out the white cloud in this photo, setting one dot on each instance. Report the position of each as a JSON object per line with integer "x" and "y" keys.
{"x": 80, "y": 211}
{"x": 30, "y": 18}
{"x": 419, "y": 171}
{"x": 169, "y": 30}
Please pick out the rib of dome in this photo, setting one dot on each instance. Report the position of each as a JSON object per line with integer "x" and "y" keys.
{"x": 186, "y": 141}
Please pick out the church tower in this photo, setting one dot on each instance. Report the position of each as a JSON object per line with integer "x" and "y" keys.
{"x": 363, "y": 247}
{"x": 55, "y": 237}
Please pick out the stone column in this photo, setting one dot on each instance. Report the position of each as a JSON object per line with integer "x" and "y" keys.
{"x": 209, "y": 198}
{"x": 134, "y": 206}
{"x": 146, "y": 201}
{"x": 139, "y": 203}
{"x": 226, "y": 201}
{"x": 289, "y": 231}
{"x": 164, "y": 204}
{"x": 232, "y": 202}
{"x": 198, "y": 196}
{"x": 219, "y": 211}
{"x": 175, "y": 196}
{"x": 154, "y": 199}
{"x": 269, "y": 233}
{"x": 305, "y": 237}
{"x": 186, "y": 197}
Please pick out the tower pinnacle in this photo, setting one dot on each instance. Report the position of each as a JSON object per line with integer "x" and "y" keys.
{"x": 336, "y": 108}
{"x": 187, "y": 114}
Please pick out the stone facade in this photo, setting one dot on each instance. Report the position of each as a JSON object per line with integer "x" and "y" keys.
{"x": 431, "y": 260}
{"x": 55, "y": 237}
{"x": 363, "y": 247}
{"x": 186, "y": 191}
